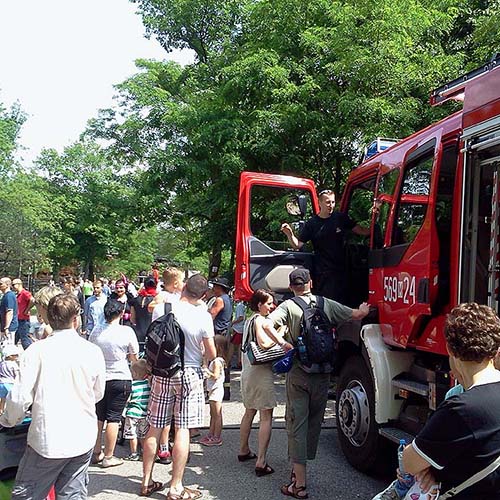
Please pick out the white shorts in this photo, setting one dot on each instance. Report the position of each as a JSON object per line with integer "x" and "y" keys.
{"x": 216, "y": 394}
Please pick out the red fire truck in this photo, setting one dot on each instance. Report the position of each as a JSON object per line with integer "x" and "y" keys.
{"x": 434, "y": 243}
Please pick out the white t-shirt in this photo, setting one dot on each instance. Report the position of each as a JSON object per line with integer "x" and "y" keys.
{"x": 115, "y": 341}
{"x": 159, "y": 309}
{"x": 197, "y": 324}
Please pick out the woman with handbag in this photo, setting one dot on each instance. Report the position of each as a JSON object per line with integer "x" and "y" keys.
{"x": 257, "y": 384}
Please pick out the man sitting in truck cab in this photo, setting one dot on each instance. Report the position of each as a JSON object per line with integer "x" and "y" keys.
{"x": 327, "y": 231}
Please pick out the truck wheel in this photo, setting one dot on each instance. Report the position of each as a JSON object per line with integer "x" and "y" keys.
{"x": 356, "y": 426}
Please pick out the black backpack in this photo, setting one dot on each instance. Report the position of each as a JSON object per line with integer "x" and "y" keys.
{"x": 318, "y": 335}
{"x": 165, "y": 345}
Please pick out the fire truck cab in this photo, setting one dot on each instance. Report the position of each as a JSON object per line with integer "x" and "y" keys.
{"x": 434, "y": 243}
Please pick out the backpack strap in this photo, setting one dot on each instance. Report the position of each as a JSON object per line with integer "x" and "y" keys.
{"x": 167, "y": 307}
{"x": 316, "y": 301}
{"x": 301, "y": 303}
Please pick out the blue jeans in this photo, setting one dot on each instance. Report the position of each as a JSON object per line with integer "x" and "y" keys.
{"x": 22, "y": 333}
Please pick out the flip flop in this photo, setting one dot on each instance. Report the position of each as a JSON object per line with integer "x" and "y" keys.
{"x": 151, "y": 488}
{"x": 248, "y": 456}
{"x": 263, "y": 471}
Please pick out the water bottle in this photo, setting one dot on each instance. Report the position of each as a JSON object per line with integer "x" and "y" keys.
{"x": 301, "y": 348}
{"x": 403, "y": 485}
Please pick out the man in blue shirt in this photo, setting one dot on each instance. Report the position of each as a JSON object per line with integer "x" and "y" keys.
{"x": 94, "y": 308}
{"x": 8, "y": 312}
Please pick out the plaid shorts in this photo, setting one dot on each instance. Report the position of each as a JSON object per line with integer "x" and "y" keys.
{"x": 180, "y": 398}
{"x": 135, "y": 427}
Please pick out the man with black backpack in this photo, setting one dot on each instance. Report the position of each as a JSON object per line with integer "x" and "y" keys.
{"x": 311, "y": 321}
{"x": 174, "y": 349}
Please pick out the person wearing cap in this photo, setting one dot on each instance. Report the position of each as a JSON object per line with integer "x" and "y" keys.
{"x": 306, "y": 393}
{"x": 327, "y": 231}
{"x": 9, "y": 368}
{"x": 25, "y": 302}
{"x": 8, "y": 312}
{"x": 222, "y": 308}
{"x": 180, "y": 399}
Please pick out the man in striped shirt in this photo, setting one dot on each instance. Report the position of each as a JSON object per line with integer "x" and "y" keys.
{"x": 136, "y": 425}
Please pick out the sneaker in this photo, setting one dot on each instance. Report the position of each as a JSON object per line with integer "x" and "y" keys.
{"x": 212, "y": 441}
{"x": 389, "y": 493}
{"x": 205, "y": 439}
{"x": 111, "y": 462}
{"x": 164, "y": 457}
{"x": 133, "y": 457}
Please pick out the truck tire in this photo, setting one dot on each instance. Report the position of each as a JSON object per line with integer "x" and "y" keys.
{"x": 356, "y": 426}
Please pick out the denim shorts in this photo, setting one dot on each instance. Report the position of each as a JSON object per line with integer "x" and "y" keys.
{"x": 111, "y": 406}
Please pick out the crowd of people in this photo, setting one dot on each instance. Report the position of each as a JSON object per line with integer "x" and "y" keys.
{"x": 88, "y": 351}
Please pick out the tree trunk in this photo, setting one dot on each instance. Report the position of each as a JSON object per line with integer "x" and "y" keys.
{"x": 215, "y": 261}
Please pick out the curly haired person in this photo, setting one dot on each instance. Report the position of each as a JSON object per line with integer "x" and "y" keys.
{"x": 462, "y": 437}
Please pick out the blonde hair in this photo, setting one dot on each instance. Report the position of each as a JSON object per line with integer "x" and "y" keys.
{"x": 140, "y": 369}
{"x": 43, "y": 296}
{"x": 172, "y": 274}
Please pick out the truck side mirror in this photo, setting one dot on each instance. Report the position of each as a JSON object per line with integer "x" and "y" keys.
{"x": 297, "y": 205}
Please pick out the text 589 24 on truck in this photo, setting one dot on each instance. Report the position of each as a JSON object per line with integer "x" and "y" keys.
{"x": 434, "y": 243}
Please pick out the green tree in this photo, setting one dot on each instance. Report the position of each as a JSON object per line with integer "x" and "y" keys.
{"x": 11, "y": 121}
{"x": 100, "y": 204}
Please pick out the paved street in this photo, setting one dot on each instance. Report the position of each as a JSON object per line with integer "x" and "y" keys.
{"x": 217, "y": 470}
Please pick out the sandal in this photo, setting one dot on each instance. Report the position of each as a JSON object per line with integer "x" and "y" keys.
{"x": 263, "y": 471}
{"x": 296, "y": 490}
{"x": 186, "y": 494}
{"x": 248, "y": 456}
{"x": 151, "y": 488}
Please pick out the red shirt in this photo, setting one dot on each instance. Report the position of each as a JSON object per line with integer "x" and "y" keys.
{"x": 23, "y": 299}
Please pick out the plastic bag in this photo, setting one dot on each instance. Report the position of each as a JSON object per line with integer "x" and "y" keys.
{"x": 416, "y": 493}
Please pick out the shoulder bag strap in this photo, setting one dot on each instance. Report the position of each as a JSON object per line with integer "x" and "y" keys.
{"x": 472, "y": 480}
{"x": 251, "y": 333}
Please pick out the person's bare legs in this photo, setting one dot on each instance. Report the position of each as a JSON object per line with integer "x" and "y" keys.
{"x": 215, "y": 418}
{"x": 165, "y": 436}
{"x": 98, "y": 441}
{"x": 133, "y": 445}
{"x": 180, "y": 453}
{"x": 245, "y": 428}
{"x": 149, "y": 454}
{"x": 265, "y": 428}
{"x": 110, "y": 438}
{"x": 300, "y": 476}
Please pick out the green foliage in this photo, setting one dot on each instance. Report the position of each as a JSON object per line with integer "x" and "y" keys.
{"x": 11, "y": 122}
{"x": 278, "y": 86}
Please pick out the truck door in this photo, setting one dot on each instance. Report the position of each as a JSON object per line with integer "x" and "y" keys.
{"x": 264, "y": 258}
{"x": 406, "y": 267}
{"x": 480, "y": 266}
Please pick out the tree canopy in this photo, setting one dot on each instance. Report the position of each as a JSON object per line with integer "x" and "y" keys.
{"x": 284, "y": 87}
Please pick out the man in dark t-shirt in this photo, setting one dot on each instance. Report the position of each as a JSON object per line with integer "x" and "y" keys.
{"x": 462, "y": 437}
{"x": 327, "y": 231}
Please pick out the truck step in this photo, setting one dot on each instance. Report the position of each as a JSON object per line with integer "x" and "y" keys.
{"x": 411, "y": 386}
{"x": 394, "y": 434}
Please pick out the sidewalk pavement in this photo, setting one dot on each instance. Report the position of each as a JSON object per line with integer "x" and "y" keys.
{"x": 219, "y": 474}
